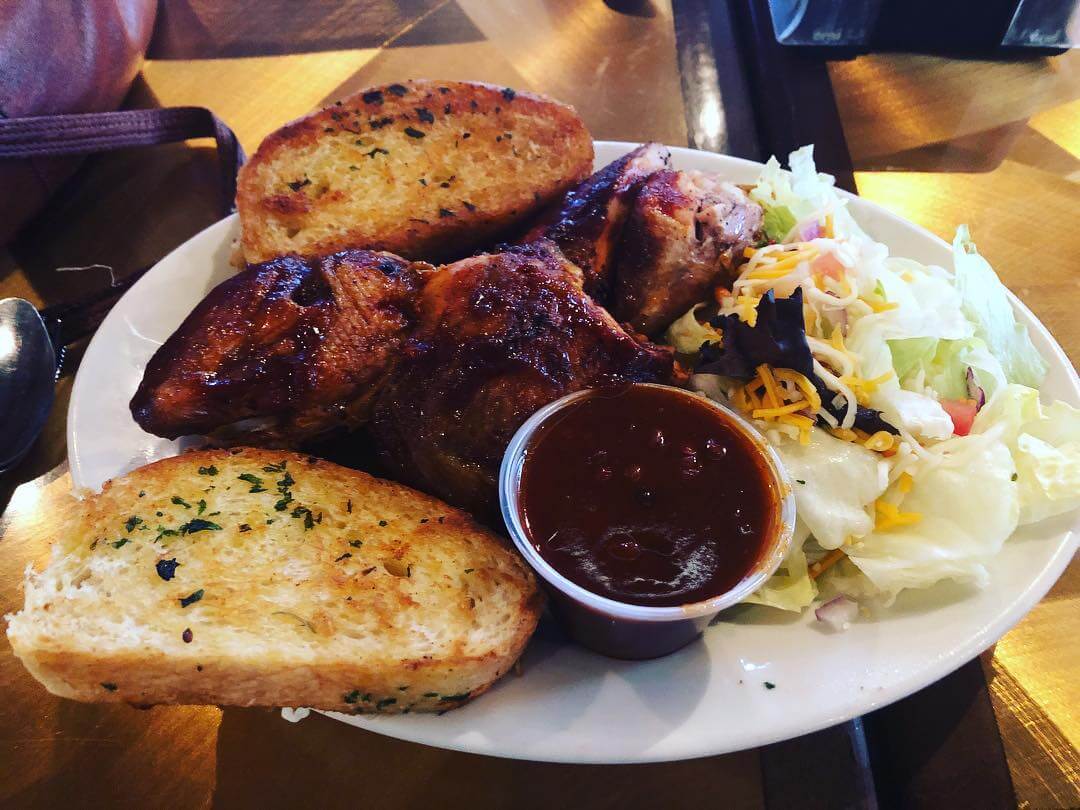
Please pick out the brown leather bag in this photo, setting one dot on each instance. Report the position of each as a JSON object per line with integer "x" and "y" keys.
{"x": 62, "y": 56}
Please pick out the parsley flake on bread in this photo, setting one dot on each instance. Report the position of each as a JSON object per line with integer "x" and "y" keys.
{"x": 424, "y": 169}
{"x": 255, "y": 577}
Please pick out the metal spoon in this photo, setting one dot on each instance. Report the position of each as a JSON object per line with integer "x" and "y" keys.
{"x": 27, "y": 372}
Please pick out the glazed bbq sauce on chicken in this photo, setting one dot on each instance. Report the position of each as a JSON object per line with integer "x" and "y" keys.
{"x": 647, "y": 496}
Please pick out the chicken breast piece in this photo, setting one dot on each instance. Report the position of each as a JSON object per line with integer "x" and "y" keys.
{"x": 591, "y": 218}
{"x": 686, "y": 229}
{"x": 500, "y": 335}
{"x": 283, "y": 351}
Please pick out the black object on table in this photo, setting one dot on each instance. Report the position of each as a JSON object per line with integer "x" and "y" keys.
{"x": 990, "y": 28}
{"x": 91, "y": 133}
{"x": 747, "y": 95}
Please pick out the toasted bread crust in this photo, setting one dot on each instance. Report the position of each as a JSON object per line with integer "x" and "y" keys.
{"x": 359, "y": 642}
{"x": 324, "y": 685}
{"x": 425, "y": 169}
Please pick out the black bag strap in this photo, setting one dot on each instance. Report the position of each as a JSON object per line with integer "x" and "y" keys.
{"x": 87, "y": 133}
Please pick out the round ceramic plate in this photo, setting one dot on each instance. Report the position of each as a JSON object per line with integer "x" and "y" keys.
{"x": 758, "y": 675}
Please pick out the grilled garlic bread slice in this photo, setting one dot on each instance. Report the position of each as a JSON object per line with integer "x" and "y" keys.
{"x": 254, "y": 577}
{"x": 424, "y": 169}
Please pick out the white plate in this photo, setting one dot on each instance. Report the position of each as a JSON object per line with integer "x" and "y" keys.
{"x": 571, "y": 705}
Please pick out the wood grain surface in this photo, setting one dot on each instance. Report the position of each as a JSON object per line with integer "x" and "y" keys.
{"x": 996, "y": 145}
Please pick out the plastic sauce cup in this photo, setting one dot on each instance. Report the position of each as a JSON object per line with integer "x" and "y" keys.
{"x": 621, "y": 629}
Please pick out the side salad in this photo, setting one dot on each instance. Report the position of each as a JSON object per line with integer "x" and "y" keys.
{"x": 902, "y": 397}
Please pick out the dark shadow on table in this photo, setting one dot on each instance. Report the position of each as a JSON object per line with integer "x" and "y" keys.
{"x": 941, "y": 747}
{"x": 978, "y": 153}
{"x": 46, "y": 454}
{"x": 215, "y": 29}
{"x": 633, "y": 8}
{"x": 172, "y": 188}
{"x": 263, "y": 761}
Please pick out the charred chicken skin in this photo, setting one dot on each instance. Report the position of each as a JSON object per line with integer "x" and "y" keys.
{"x": 448, "y": 363}
{"x": 685, "y": 231}
{"x": 296, "y": 347}
{"x": 500, "y": 335}
{"x": 590, "y": 220}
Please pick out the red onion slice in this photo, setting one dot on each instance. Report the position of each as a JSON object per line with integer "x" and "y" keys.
{"x": 974, "y": 391}
{"x": 838, "y": 613}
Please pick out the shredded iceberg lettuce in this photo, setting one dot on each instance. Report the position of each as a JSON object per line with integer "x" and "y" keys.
{"x": 918, "y": 413}
{"x": 912, "y": 354}
{"x": 791, "y": 587}
{"x": 925, "y": 347}
{"x": 926, "y": 304}
{"x": 986, "y": 305}
{"x": 967, "y": 504}
{"x": 687, "y": 335}
{"x": 834, "y": 480}
{"x": 944, "y": 365}
{"x": 1045, "y": 444}
{"x": 777, "y": 222}
{"x": 801, "y": 193}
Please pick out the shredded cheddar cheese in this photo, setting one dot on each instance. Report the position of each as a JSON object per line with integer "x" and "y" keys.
{"x": 855, "y": 384}
{"x": 803, "y": 384}
{"x": 770, "y": 272}
{"x": 844, "y": 434}
{"x": 772, "y": 413}
{"x": 803, "y": 423}
{"x": 770, "y": 263}
{"x": 772, "y": 393}
{"x": 826, "y": 562}
{"x": 880, "y": 441}
{"x": 881, "y": 306}
{"x": 904, "y": 483}
{"x": 782, "y": 396}
{"x": 797, "y": 420}
{"x": 837, "y": 341}
{"x": 889, "y": 516}
{"x": 746, "y": 308}
{"x": 863, "y": 388}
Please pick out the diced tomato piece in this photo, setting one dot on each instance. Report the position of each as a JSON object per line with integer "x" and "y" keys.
{"x": 828, "y": 265}
{"x": 962, "y": 412}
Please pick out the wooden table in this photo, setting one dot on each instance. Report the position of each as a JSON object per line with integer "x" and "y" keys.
{"x": 996, "y": 145}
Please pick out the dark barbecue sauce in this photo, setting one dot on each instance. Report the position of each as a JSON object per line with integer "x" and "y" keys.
{"x": 647, "y": 496}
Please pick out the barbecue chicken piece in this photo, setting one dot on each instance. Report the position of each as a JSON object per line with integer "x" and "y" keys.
{"x": 686, "y": 230}
{"x": 500, "y": 335}
{"x": 590, "y": 220}
{"x": 426, "y": 169}
{"x": 289, "y": 349}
